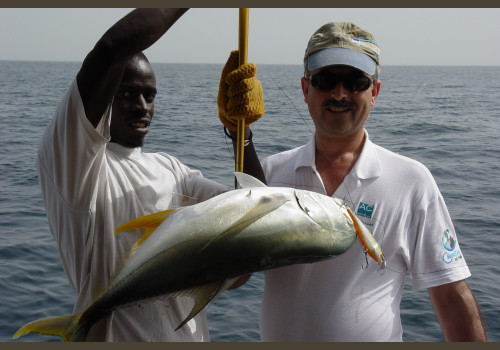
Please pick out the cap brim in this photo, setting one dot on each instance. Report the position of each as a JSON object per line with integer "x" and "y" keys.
{"x": 341, "y": 56}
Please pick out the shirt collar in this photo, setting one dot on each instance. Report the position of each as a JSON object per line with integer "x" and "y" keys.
{"x": 123, "y": 151}
{"x": 306, "y": 155}
{"x": 367, "y": 165}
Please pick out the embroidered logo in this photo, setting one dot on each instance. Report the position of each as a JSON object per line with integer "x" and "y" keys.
{"x": 365, "y": 210}
{"x": 450, "y": 243}
{"x": 366, "y": 44}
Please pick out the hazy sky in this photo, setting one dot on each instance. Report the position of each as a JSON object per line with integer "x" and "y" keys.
{"x": 277, "y": 36}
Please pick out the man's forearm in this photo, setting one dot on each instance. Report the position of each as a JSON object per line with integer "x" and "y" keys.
{"x": 457, "y": 312}
{"x": 251, "y": 163}
{"x": 140, "y": 29}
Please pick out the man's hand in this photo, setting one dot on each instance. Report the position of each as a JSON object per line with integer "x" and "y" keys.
{"x": 240, "y": 93}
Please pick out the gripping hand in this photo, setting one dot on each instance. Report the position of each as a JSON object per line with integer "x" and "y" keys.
{"x": 240, "y": 93}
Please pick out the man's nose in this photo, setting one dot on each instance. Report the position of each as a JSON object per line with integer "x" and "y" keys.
{"x": 339, "y": 91}
{"x": 140, "y": 103}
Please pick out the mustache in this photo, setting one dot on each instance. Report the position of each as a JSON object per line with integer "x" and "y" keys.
{"x": 339, "y": 104}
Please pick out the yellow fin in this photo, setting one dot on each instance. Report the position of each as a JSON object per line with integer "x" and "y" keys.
{"x": 149, "y": 222}
{"x": 204, "y": 295}
{"x": 64, "y": 326}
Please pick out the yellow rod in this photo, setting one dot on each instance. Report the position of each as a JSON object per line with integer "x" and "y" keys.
{"x": 242, "y": 47}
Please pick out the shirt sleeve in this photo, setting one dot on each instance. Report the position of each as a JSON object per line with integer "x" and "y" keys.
{"x": 72, "y": 150}
{"x": 69, "y": 160}
{"x": 193, "y": 187}
{"x": 437, "y": 258}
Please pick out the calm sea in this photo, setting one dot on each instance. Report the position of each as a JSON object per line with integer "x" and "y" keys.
{"x": 446, "y": 117}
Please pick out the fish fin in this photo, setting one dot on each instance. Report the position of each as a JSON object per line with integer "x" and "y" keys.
{"x": 67, "y": 327}
{"x": 149, "y": 222}
{"x": 247, "y": 181}
{"x": 264, "y": 206}
{"x": 204, "y": 295}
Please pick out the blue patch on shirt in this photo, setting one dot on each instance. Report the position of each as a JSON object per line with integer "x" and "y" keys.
{"x": 449, "y": 243}
{"x": 365, "y": 210}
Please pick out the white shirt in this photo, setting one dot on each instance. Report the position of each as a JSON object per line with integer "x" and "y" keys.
{"x": 337, "y": 300}
{"x": 90, "y": 187}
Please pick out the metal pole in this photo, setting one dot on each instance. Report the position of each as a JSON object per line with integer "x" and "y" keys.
{"x": 242, "y": 47}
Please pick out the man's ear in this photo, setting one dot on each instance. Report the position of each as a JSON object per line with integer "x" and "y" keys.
{"x": 304, "y": 82}
{"x": 375, "y": 91}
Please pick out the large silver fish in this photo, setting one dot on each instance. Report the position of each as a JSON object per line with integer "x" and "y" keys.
{"x": 200, "y": 250}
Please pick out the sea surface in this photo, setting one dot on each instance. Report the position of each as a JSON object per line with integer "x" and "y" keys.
{"x": 446, "y": 117}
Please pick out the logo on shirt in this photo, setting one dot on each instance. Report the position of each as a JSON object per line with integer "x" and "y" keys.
{"x": 365, "y": 210}
{"x": 450, "y": 243}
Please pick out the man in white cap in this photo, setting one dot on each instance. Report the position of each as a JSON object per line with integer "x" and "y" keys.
{"x": 342, "y": 299}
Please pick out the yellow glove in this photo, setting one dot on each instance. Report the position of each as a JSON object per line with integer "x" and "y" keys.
{"x": 240, "y": 93}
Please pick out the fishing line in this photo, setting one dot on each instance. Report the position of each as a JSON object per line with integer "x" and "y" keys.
{"x": 293, "y": 105}
{"x": 229, "y": 149}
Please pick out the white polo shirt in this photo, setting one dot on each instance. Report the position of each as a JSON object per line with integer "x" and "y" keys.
{"x": 338, "y": 300}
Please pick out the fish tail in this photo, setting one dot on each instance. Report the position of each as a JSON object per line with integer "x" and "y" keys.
{"x": 67, "y": 327}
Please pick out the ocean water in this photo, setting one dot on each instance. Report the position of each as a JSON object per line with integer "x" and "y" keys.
{"x": 446, "y": 117}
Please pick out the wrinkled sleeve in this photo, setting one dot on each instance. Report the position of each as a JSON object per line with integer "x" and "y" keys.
{"x": 69, "y": 160}
{"x": 437, "y": 258}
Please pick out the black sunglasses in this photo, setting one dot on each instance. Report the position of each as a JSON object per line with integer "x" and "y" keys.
{"x": 326, "y": 80}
